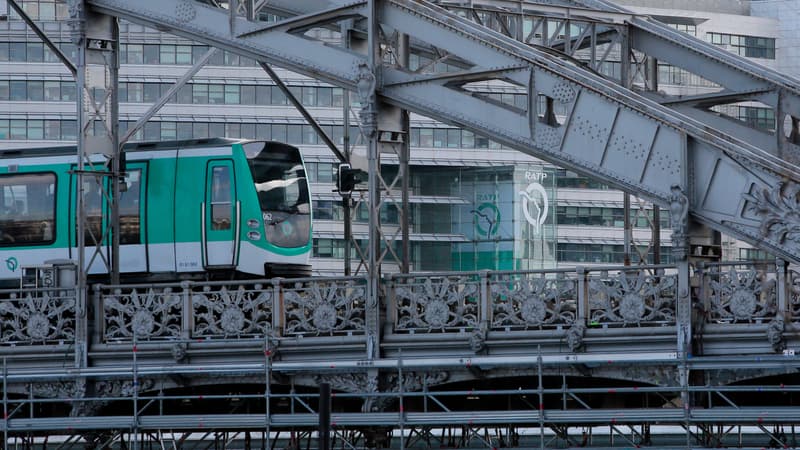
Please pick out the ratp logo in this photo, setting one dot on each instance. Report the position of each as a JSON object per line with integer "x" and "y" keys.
{"x": 12, "y": 264}
{"x": 534, "y": 205}
{"x": 487, "y": 219}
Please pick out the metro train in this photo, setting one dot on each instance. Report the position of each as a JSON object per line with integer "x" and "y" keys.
{"x": 188, "y": 209}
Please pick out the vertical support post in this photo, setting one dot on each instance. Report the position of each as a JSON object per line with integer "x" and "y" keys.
{"x": 782, "y": 279}
{"x": 366, "y": 86}
{"x": 324, "y": 416}
{"x": 277, "y": 306}
{"x": 400, "y": 391}
{"x": 485, "y": 298}
{"x": 347, "y": 200}
{"x": 702, "y": 280}
{"x": 625, "y": 58}
{"x": 656, "y": 236}
{"x": 135, "y": 431}
{"x": 651, "y": 85}
{"x": 583, "y": 295}
{"x": 250, "y": 9}
{"x": 679, "y": 221}
{"x": 540, "y": 392}
{"x": 625, "y": 81}
{"x": 784, "y": 307}
{"x": 78, "y": 25}
{"x": 5, "y": 403}
{"x": 187, "y": 318}
{"x": 391, "y": 303}
{"x": 267, "y": 388}
{"x": 626, "y": 207}
{"x": 99, "y": 316}
{"x": 117, "y": 156}
{"x": 405, "y": 157}
{"x": 233, "y": 11}
{"x": 97, "y": 39}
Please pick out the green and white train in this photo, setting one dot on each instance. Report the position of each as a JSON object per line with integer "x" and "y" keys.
{"x": 188, "y": 209}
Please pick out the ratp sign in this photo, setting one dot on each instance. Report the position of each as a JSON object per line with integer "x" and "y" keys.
{"x": 534, "y": 200}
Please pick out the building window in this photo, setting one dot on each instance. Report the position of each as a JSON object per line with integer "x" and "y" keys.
{"x": 233, "y": 130}
{"x": 169, "y": 131}
{"x": 151, "y": 92}
{"x": 754, "y": 254}
{"x": 166, "y": 54}
{"x": 183, "y": 54}
{"x": 216, "y": 94}
{"x": 294, "y": 134}
{"x": 134, "y": 53}
{"x": 328, "y": 210}
{"x": 151, "y": 54}
{"x": 248, "y": 95}
{"x": 762, "y": 118}
{"x": 135, "y": 92}
{"x": 199, "y": 94}
{"x": 231, "y": 94}
{"x": 748, "y": 46}
{"x": 688, "y": 28}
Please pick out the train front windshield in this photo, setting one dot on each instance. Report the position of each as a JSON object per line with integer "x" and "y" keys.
{"x": 282, "y": 188}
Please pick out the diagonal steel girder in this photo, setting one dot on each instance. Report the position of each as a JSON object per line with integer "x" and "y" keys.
{"x": 609, "y": 133}
{"x": 738, "y": 76}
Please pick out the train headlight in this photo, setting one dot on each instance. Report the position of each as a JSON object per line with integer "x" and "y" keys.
{"x": 253, "y": 223}
{"x": 253, "y": 235}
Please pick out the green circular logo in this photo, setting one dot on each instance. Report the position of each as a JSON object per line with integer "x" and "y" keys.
{"x": 12, "y": 264}
{"x": 286, "y": 228}
{"x": 487, "y": 219}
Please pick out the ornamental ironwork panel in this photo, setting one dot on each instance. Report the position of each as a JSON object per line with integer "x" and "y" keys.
{"x": 637, "y": 298}
{"x": 143, "y": 313}
{"x": 37, "y": 317}
{"x": 232, "y": 311}
{"x": 437, "y": 303}
{"x": 742, "y": 294}
{"x": 324, "y": 307}
{"x": 532, "y": 301}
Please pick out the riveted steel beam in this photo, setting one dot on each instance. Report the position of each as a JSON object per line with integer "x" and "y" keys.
{"x": 606, "y": 131}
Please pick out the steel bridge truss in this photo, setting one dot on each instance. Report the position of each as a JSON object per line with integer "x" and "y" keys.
{"x": 574, "y": 118}
{"x": 692, "y": 351}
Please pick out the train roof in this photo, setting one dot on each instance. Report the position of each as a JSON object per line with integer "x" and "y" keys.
{"x": 129, "y": 147}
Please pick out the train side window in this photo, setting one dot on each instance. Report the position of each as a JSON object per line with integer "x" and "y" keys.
{"x": 129, "y": 209}
{"x": 220, "y": 198}
{"x": 27, "y": 209}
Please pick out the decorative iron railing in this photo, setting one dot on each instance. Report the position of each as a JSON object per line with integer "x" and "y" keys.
{"x": 563, "y": 302}
{"x": 633, "y": 297}
{"x": 231, "y": 310}
{"x": 41, "y": 316}
{"x": 534, "y": 300}
{"x": 742, "y": 292}
{"x": 436, "y": 302}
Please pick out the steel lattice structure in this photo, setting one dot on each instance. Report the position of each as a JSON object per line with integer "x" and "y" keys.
{"x": 675, "y": 356}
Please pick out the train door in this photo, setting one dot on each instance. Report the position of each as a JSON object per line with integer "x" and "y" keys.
{"x": 132, "y": 232}
{"x": 220, "y": 216}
